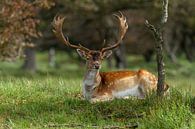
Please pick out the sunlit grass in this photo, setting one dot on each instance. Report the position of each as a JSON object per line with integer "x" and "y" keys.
{"x": 53, "y": 101}
{"x": 52, "y": 97}
{"x": 27, "y": 103}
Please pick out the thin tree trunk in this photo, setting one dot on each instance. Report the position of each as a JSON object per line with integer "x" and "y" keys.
{"x": 157, "y": 32}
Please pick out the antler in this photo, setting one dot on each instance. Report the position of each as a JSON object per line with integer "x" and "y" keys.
{"x": 122, "y": 30}
{"x": 58, "y": 24}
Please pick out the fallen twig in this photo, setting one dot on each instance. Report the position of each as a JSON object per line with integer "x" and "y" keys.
{"x": 72, "y": 125}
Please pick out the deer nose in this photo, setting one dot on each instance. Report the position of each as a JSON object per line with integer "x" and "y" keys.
{"x": 96, "y": 65}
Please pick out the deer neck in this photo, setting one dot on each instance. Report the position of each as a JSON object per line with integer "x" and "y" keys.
{"x": 91, "y": 80}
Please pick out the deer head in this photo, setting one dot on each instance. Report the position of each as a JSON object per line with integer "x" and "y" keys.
{"x": 93, "y": 57}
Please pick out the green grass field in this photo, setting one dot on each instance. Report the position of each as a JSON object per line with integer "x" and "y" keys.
{"x": 51, "y": 98}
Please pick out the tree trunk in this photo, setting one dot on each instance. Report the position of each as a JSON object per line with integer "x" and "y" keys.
{"x": 157, "y": 32}
{"x": 148, "y": 55}
{"x": 109, "y": 62}
{"x": 111, "y": 35}
{"x": 160, "y": 65}
{"x": 120, "y": 57}
{"x": 30, "y": 60}
{"x": 189, "y": 48}
{"x": 51, "y": 57}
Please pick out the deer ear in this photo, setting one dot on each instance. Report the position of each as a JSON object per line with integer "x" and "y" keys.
{"x": 107, "y": 54}
{"x": 81, "y": 53}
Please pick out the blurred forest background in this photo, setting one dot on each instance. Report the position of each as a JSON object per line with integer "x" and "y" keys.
{"x": 25, "y": 29}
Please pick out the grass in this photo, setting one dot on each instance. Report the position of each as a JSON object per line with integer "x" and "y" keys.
{"x": 51, "y": 98}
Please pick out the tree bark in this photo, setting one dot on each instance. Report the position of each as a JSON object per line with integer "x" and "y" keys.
{"x": 157, "y": 32}
{"x": 148, "y": 55}
{"x": 30, "y": 60}
{"x": 120, "y": 57}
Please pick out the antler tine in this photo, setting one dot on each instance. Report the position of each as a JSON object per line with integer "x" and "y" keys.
{"x": 58, "y": 25}
{"x": 123, "y": 26}
{"x": 83, "y": 48}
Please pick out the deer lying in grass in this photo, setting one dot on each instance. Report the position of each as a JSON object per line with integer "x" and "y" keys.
{"x": 103, "y": 86}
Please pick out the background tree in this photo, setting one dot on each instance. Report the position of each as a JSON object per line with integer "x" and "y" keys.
{"x": 19, "y": 21}
{"x": 90, "y": 22}
{"x": 179, "y": 32}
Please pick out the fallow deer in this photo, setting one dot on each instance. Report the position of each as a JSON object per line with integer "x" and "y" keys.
{"x": 103, "y": 86}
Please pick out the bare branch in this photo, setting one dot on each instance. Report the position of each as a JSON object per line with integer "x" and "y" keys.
{"x": 165, "y": 12}
{"x": 150, "y": 26}
{"x": 73, "y": 125}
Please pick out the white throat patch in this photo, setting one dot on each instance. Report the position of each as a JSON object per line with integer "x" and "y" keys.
{"x": 89, "y": 83}
{"x": 90, "y": 78}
